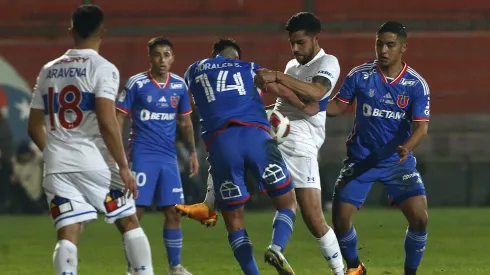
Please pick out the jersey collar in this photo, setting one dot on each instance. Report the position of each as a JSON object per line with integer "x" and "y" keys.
{"x": 167, "y": 81}
{"x": 318, "y": 55}
{"x": 396, "y": 79}
{"x": 81, "y": 52}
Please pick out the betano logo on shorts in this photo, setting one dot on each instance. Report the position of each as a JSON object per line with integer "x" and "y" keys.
{"x": 147, "y": 115}
{"x": 367, "y": 110}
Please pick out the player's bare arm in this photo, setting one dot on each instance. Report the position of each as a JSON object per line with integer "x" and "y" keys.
{"x": 187, "y": 130}
{"x": 35, "y": 128}
{"x": 420, "y": 130}
{"x": 109, "y": 129}
{"x": 313, "y": 91}
{"x": 336, "y": 107}
{"x": 279, "y": 90}
{"x": 120, "y": 119}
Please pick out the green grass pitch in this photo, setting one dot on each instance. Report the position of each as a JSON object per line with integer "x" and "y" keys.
{"x": 458, "y": 244}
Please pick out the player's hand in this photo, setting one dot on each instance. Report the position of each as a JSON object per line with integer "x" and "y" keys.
{"x": 268, "y": 76}
{"x": 402, "y": 152}
{"x": 129, "y": 182}
{"x": 193, "y": 164}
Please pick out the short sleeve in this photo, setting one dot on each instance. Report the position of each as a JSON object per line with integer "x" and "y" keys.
{"x": 330, "y": 69}
{"x": 107, "y": 84}
{"x": 347, "y": 92}
{"x": 37, "y": 101}
{"x": 126, "y": 97}
{"x": 421, "y": 103}
{"x": 184, "y": 103}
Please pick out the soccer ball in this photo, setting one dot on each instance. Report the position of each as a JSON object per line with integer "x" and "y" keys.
{"x": 280, "y": 125}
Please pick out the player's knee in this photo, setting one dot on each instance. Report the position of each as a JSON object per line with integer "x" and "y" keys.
{"x": 419, "y": 221}
{"x": 127, "y": 223}
{"x": 70, "y": 233}
{"x": 286, "y": 200}
{"x": 171, "y": 214}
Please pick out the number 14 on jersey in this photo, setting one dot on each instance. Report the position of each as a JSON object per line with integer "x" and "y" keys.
{"x": 221, "y": 85}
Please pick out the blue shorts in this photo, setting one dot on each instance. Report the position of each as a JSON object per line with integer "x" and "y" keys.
{"x": 241, "y": 148}
{"x": 158, "y": 181}
{"x": 401, "y": 181}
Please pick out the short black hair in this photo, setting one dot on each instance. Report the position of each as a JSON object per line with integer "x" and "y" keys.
{"x": 304, "y": 21}
{"x": 394, "y": 27}
{"x": 86, "y": 19}
{"x": 224, "y": 43}
{"x": 159, "y": 41}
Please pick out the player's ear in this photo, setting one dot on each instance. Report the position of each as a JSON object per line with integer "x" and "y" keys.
{"x": 70, "y": 32}
{"x": 404, "y": 47}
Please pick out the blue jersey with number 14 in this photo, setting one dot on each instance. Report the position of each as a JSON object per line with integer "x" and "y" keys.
{"x": 224, "y": 92}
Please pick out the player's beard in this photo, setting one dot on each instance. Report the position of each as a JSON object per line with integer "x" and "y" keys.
{"x": 307, "y": 58}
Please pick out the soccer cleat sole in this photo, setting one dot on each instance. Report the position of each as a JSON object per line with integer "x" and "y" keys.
{"x": 283, "y": 268}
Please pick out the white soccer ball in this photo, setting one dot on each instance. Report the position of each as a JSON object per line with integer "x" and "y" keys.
{"x": 280, "y": 125}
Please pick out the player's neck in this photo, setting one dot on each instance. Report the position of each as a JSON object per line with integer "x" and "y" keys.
{"x": 86, "y": 45}
{"x": 160, "y": 78}
{"x": 392, "y": 71}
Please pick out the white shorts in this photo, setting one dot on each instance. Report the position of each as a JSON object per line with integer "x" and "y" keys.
{"x": 76, "y": 197}
{"x": 303, "y": 169}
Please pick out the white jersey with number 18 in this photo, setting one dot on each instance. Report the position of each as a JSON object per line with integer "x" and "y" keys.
{"x": 66, "y": 90}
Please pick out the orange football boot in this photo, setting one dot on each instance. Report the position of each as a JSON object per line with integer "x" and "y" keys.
{"x": 200, "y": 212}
{"x": 360, "y": 270}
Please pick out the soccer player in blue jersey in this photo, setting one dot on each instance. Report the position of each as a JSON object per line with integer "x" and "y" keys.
{"x": 392, "y": 118}
{"x": 157, "y": 101}
{"x": 236, "y": 131}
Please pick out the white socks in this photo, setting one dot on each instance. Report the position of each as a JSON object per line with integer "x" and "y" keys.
{"x": 331, "y": 251}
{"x": 138, "y": 252}
{"x": 65, "y": 258}
{"x": 209, "y": 200}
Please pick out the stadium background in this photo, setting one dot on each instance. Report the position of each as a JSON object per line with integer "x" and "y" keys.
{"x": 448, "y": 46}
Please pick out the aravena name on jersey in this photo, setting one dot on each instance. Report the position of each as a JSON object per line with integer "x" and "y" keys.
{"x": 385, "y": 110}
{"x": 224, "y": 91}
{"x": 153, "y": 108}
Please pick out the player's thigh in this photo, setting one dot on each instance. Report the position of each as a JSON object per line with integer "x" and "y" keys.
{"x": 104, "y": 189}
{"x": 67, "y": 203}
{"x": 169, "y": 185}
{"x": 403, "y": 181}
{"x": 266, "y": 163}
{"x": 146, "y": 174}
{"x": 226, "y": 159}
{"x": 354, "y": 183}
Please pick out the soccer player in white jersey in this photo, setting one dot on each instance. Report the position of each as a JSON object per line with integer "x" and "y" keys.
{"x": 86, "y": 167}
{"x": 312, "y": 74}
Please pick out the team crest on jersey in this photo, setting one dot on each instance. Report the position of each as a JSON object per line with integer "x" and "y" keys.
{"x": 174, "y": 100}
{"x": 114, "y": 200}
{"x": 371, "y": 92}
{"x": 149, "y": 98}
{"x": 60, "y": 206}
{"x": 402, "y": 101}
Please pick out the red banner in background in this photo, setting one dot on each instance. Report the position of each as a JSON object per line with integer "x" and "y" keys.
{"x": 455, "y": 64}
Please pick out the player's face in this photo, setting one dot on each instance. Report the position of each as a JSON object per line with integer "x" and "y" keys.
{"x": 161, "y": 58}
{"x": 303, "y": 46}
{"x": 389, "y": 49}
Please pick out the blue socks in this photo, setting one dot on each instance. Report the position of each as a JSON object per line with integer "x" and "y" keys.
{"x": 282, "y": 227}
{"x": 414, "y": 250}
{"x": 348, "y": 247}
{"x": 172, "y": 238}
{"x": 242, "y": 248}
